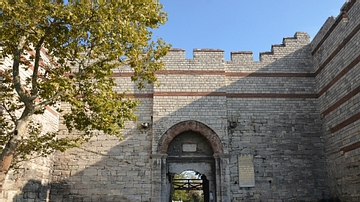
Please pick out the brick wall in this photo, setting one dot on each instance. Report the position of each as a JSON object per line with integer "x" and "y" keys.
{"x": 336, "y": 57}
{"x": 272, "y": 106}
{"x": 273, "y": 103}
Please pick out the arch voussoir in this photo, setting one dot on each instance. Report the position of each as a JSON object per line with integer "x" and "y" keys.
{"x": 190, "y": 125}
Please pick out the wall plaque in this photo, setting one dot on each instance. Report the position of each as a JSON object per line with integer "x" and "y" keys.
{"x": 189, "y": 147}
{"x": 246, "y": 171}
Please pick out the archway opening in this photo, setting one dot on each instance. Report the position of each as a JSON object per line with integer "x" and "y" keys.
{"x": 191, "y": 167}
{"x": 189, "y": 145}
{"x": 189, "y": 186}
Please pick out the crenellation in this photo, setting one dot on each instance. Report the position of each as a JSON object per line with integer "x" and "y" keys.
{"x": 211, "y": 56}
{"x": 288, "y": 48}
{"x": 300, "y": 38}
{"x": 176, "y": 57}
{"x": 175, "y": 54}
{"x": 241, "y": 57}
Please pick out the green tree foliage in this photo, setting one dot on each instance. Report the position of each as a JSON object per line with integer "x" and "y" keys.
{"x": 84, "y": 42}
{"x": 190, "y": 195}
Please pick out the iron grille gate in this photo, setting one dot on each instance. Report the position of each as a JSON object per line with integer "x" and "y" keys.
{"x": 192, "y": 184}
{"x": 187, "y": 184}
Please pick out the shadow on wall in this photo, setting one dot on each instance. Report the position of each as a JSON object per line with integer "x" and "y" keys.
{"x": 33, "y": 191}
{"x": 105, "y": 169}
{"x": 279, "y": 130}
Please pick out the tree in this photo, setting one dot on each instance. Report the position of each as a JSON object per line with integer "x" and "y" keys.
{"x": 84, "y": 42}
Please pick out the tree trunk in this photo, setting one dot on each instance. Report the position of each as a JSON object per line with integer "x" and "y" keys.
{"x": 5, "y": 162}
{"x": 7, "y": 154}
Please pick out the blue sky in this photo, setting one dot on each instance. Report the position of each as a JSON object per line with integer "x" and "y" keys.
{"x": 241, "y": 25}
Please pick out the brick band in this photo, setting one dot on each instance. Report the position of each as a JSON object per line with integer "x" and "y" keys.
{"x": 345, "y": 123}
{"x": 351, "y": 147}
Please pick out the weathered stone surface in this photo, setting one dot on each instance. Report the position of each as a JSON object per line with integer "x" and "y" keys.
{"x": 295, "y": 113}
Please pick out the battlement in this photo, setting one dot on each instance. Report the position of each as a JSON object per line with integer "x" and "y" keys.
{"x": 198, "y": 54}
{"x": 345, "y": 17}
{"x": 289, "y": 48}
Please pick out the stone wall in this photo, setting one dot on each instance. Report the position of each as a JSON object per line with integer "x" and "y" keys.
{"x": 295, "y": 113}
{"x": 273, "y": 115}
{"x": 335, "y": 50}
{"x": 272, "y": 108}
{"x": 107, "y": 168}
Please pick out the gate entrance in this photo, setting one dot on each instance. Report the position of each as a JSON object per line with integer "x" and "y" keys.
{"x": 190, "y": 146}
{"x": 191, "y": 151}
{"x": 190, "y": 186}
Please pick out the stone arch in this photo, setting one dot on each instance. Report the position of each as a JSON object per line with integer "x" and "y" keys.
{"x": 190, "y": 125}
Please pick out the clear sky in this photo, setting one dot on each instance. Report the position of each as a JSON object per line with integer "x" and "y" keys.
{"x": 241, "y": 25}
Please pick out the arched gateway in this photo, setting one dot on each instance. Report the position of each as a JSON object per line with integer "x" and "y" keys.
{"x": 194, "y": 126}
{"x": 190, "y": 145}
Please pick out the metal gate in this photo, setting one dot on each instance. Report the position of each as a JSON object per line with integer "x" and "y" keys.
{"x": 192, "y": 184}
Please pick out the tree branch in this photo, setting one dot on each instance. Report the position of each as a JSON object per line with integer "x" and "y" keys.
{"x": 16, "y": 73}
{"x": 13, "y": 117}
{"x": 47, "y": 102}
{"x": 34, "y": 84}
